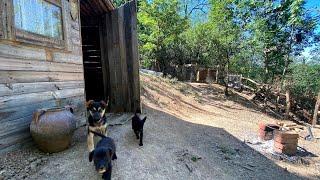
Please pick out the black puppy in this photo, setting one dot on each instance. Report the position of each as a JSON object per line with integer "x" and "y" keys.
{"x": 97, "y": 121}
{"x": 102, "y": 155}
{"x": 137, "y": 126}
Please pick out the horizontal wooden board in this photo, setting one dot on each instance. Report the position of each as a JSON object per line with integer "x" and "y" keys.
{"x": 11, "y": 114}
{"x": 22, "y": 123}
{"x": 7, "y": 114}
{"x": 22, "y": 52}
{"x": 25, "y": 88}
{"x": 15, "y": 138}
{"x": 16, "y": 121}
{"x": 12, "y": 64}
{"x": 67, "y": 58}
{"x": 27, "y": 76}
{"x": 24, "y": 99}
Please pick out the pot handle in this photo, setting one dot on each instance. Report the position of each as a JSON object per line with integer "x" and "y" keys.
{"x": 37, "y": 115}
{"x": 70, "y": 108}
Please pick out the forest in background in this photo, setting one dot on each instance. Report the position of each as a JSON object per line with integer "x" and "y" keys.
{"x": 261, "y": 39}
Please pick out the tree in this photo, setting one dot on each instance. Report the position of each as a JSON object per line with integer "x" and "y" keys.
{"x": 226, "y": 33}
{"x": 160, "y": 26}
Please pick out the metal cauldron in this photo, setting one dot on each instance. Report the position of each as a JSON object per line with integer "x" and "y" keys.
{"x": 52, "y": 129}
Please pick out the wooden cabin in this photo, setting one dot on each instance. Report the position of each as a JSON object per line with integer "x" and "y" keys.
{"x": 62, "y": 52}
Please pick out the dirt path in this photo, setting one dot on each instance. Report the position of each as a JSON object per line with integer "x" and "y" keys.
{"x": 192, "y": 132}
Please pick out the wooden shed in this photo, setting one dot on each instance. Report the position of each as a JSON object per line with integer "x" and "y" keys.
{"x": 62, "y": 52}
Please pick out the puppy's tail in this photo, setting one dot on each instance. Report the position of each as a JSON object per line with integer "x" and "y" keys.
{"x": 98, "y": 134}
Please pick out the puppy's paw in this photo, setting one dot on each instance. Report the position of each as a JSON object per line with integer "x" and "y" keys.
{"x": 114, "y": 156}
{"x": 140, "y": 144}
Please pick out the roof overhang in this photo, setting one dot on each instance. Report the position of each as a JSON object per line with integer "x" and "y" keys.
{"x": 95, "y": 7}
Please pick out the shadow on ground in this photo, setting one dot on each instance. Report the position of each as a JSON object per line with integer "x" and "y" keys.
{"x": 173, "y": 149}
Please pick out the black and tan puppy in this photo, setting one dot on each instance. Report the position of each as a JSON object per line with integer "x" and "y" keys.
{"x": 103, "y": 155}
{"x": 97, "y": 121}
{"x": 137, "y": 126}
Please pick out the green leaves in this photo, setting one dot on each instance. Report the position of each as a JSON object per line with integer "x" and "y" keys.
{"x": 160, "y": 25}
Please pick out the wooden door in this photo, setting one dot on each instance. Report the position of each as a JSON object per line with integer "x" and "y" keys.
{"x": 120, "y": 62}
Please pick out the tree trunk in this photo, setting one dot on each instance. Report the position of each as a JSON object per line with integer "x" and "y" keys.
{"x": 217, "y": 74}
{"x": 226, "y": 92}
{"x": 288, "y": 103}
{"x": 266, "y": 68}
{"x": 316, "y": 109}
{"x": 278, "y": 99}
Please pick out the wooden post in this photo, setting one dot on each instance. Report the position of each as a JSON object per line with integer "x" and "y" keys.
{"x": 316, "y": 109}
{"x": 217, "y": 74}
{"x": 288, "y": 103}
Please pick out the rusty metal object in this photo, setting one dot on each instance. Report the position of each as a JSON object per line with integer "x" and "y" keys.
{"x": 52, "y": 129}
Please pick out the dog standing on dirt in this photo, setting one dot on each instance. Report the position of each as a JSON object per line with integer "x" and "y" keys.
{"x": 103, "y": 155}
{"x": 97, "y": 121}
{"x": 137, "y": 126}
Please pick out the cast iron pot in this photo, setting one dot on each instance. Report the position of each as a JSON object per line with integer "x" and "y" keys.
{"x": 52, "y": 129}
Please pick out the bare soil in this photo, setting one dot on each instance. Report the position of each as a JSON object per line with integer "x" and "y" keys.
{"x": 192, "y": 132}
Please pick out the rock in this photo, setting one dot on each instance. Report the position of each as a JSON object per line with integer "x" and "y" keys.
{"x": 31, "y": 159}
{"x": 8, "y": 174}
{"x": 33, "y": 166}
{"x": 38, "y": 161}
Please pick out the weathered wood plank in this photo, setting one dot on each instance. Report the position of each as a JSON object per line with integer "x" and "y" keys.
{"x": 16, "y": 119}
{"x": 22, "y": 52}
{"x": 10, "y": 126}
{"x": 67, "y": 58}
{"x": 12, "y": 113}
{"x": 25, "y": 88}
{"x": 27, "y": 76}
{"x": 10, "y": 30}
{"x": 2, "y": 19}
{"x": 9, "y": 114}
{"x": 14, "y": 125}
{"x": 104, "y": 55}
{"x": 66, "y": 25}
{"x": 24, "y": 99}
{"x": 130, "y": 10}
{"x": 12, "y": 64}
{"x": 20, "y": 136}
{"x": 112, "y": 46}
{"x": 124, "y": 86}
{"x": 15, "y": 138}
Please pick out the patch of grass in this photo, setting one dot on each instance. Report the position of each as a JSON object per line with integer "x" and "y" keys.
{"x": 227, "y": 150}
{"x": 195, "y": 158}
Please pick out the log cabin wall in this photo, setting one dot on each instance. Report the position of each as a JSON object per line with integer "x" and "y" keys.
{"x": 38, "y": 75}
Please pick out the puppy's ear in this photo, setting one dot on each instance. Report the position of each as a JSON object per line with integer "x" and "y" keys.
{"x": 103, "y": 104}
{"x": 91, "y": 155}
{"x": 89, "y": 103}
{"x": 109, "y": 152}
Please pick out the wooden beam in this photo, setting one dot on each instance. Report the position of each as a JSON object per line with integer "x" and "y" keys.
{"x": 26, "y": 88}
{"x": 24, "y": 99}
{"x": 8, "y": 77}
{"x": 11, "y": 64}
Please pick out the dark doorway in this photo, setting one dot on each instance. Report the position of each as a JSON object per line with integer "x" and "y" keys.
{"x": 110, "y": 54}
{"x": 91, "y": 50}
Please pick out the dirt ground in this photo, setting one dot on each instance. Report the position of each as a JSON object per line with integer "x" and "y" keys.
{"x": 192, "y": 132}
